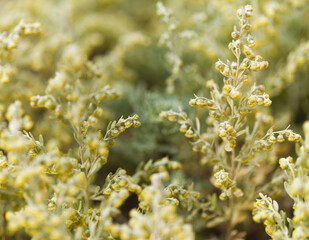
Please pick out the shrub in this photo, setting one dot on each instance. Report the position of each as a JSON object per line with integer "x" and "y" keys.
{"x": 72, "y": 166}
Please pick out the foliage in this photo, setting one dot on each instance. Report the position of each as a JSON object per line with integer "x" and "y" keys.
{"x": 78, "y": 76}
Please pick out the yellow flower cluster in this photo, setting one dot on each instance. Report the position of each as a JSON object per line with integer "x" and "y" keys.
{"x": 160, "y": 222}
{"x": 267, "y": 210}
{"x": 64, "y": 186}
{"x": 297, "y": 187}
{"x": 120, "y": 180}
{"x": 9, "y": 41}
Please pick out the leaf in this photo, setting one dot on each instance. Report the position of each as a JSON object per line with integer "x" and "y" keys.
{"x": 113, "y": 124}
{"x": 216, "y": 221}
{"x": 41, "y": 140}
{"x": 108, "y": 126}
{"x": 261, "y": 195}
{"x": 228, "y": 148}
{"x": 276, "y": 206}
{"x": 241, "y": 132}
{"x": 287, "y": 189}
{"x": 198, "y": 125}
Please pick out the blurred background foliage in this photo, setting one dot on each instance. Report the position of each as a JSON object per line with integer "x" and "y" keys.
{"x": 122, "y": 37}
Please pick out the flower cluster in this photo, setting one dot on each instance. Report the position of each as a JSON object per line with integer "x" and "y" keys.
{"x": 160, "y": 222}
{"x": 229, "y": 142}
{"x": 296, "y": 186}
{"x": 67, "y": 156}
{"x": 9, "y": 41}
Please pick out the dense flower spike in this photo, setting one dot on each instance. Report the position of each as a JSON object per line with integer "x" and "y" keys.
{"x": 230, "y": 143}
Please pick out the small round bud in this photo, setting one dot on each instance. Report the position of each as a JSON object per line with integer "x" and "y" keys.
{"x": 235, "y": 35}
{"x": 189, "y": 133}
{"x": 136, "y": 124}
{"x": 280, "y": 138}
{"x": 163, "y": 115}
{"x": 172, "y": 118}
{"x": 192, "y": 102}
{"x": 183, "y": 128}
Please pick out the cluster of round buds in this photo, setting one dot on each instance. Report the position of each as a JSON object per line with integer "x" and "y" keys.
{"x": 56, "y": 83}
{"x": 10, "y": 41}
{"x": 261, "y": 204}
{"x": 227, "y": 131}
{"x": 245, "y": 12}
{"x": 296, "y": 59}
{"x": 75, "y": 218}
{"x": 103, "y": 152}
{"x": 227, "y": 185}
{"x": 118, "y": 127}
{"x": 120, "y": 180}
{"x": 223, "y": 68}
{"x": 106, "y": 93}
{"x": 254, "y": 100}
{"x": 171, "y": 226}
{"x": 146, "y": 198}
{"x": 215, "y": 115}
{"x": 201, "y": 102}
{"x": 181, "y": 118}
{"x": 190, "y": 132}
{"x": 5, "y": 72}
{"x": 229, "y": 90}
{"x": 51, "y": 205}
{"x": 94, "y": 217}
{"x": 92, "y": 119}
{"x": 153, "y": 194}
{"x": 16, "y": 112}
{"x": 234, "y": 46}
{"x": 63, "y": 167}
{"x": 161, "y": 165}
{"x": 223, "y": 180}
{"x": 94, "y": 144}
{"x": 185, "y": 196}
{"x": 301, "y": 214}
{"x": 3, "y": 161}
{"x": 92, "y": 140}
{"x": 37, "y": 222}
{"x": 291, "y": 136}
{"x": 286, "y": 163}
{"x": 118, "y": 197}
{"x": 248, "y": 52}
{"x": 243, "y": 15}
{"x": 180, "y": 192}
{"x": 234, "y": 69}
{"x": 299, "y": 187}
{"x": 150, "y": 168}
{"x": 43, "y": 102}
{"x": 257, "y": 64}
{"x": 250, "y": 41}
{"x": 200, "y": 146}
{"x": 14, "y": 143}
{"x": 262, "y": 146}
{"x": 266, "y": 209}
{"x": 173, "y": 116}
{"x": 245, "y": 64}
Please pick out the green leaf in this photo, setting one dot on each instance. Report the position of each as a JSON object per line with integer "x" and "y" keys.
{"x": 41, "y": 140}
{"x": 216, "y": 221}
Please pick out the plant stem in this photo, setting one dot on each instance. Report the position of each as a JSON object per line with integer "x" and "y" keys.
{"x": 230, "y": 221}
{"x": 4, "y": 221}
{"x": 87, "y": 194}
